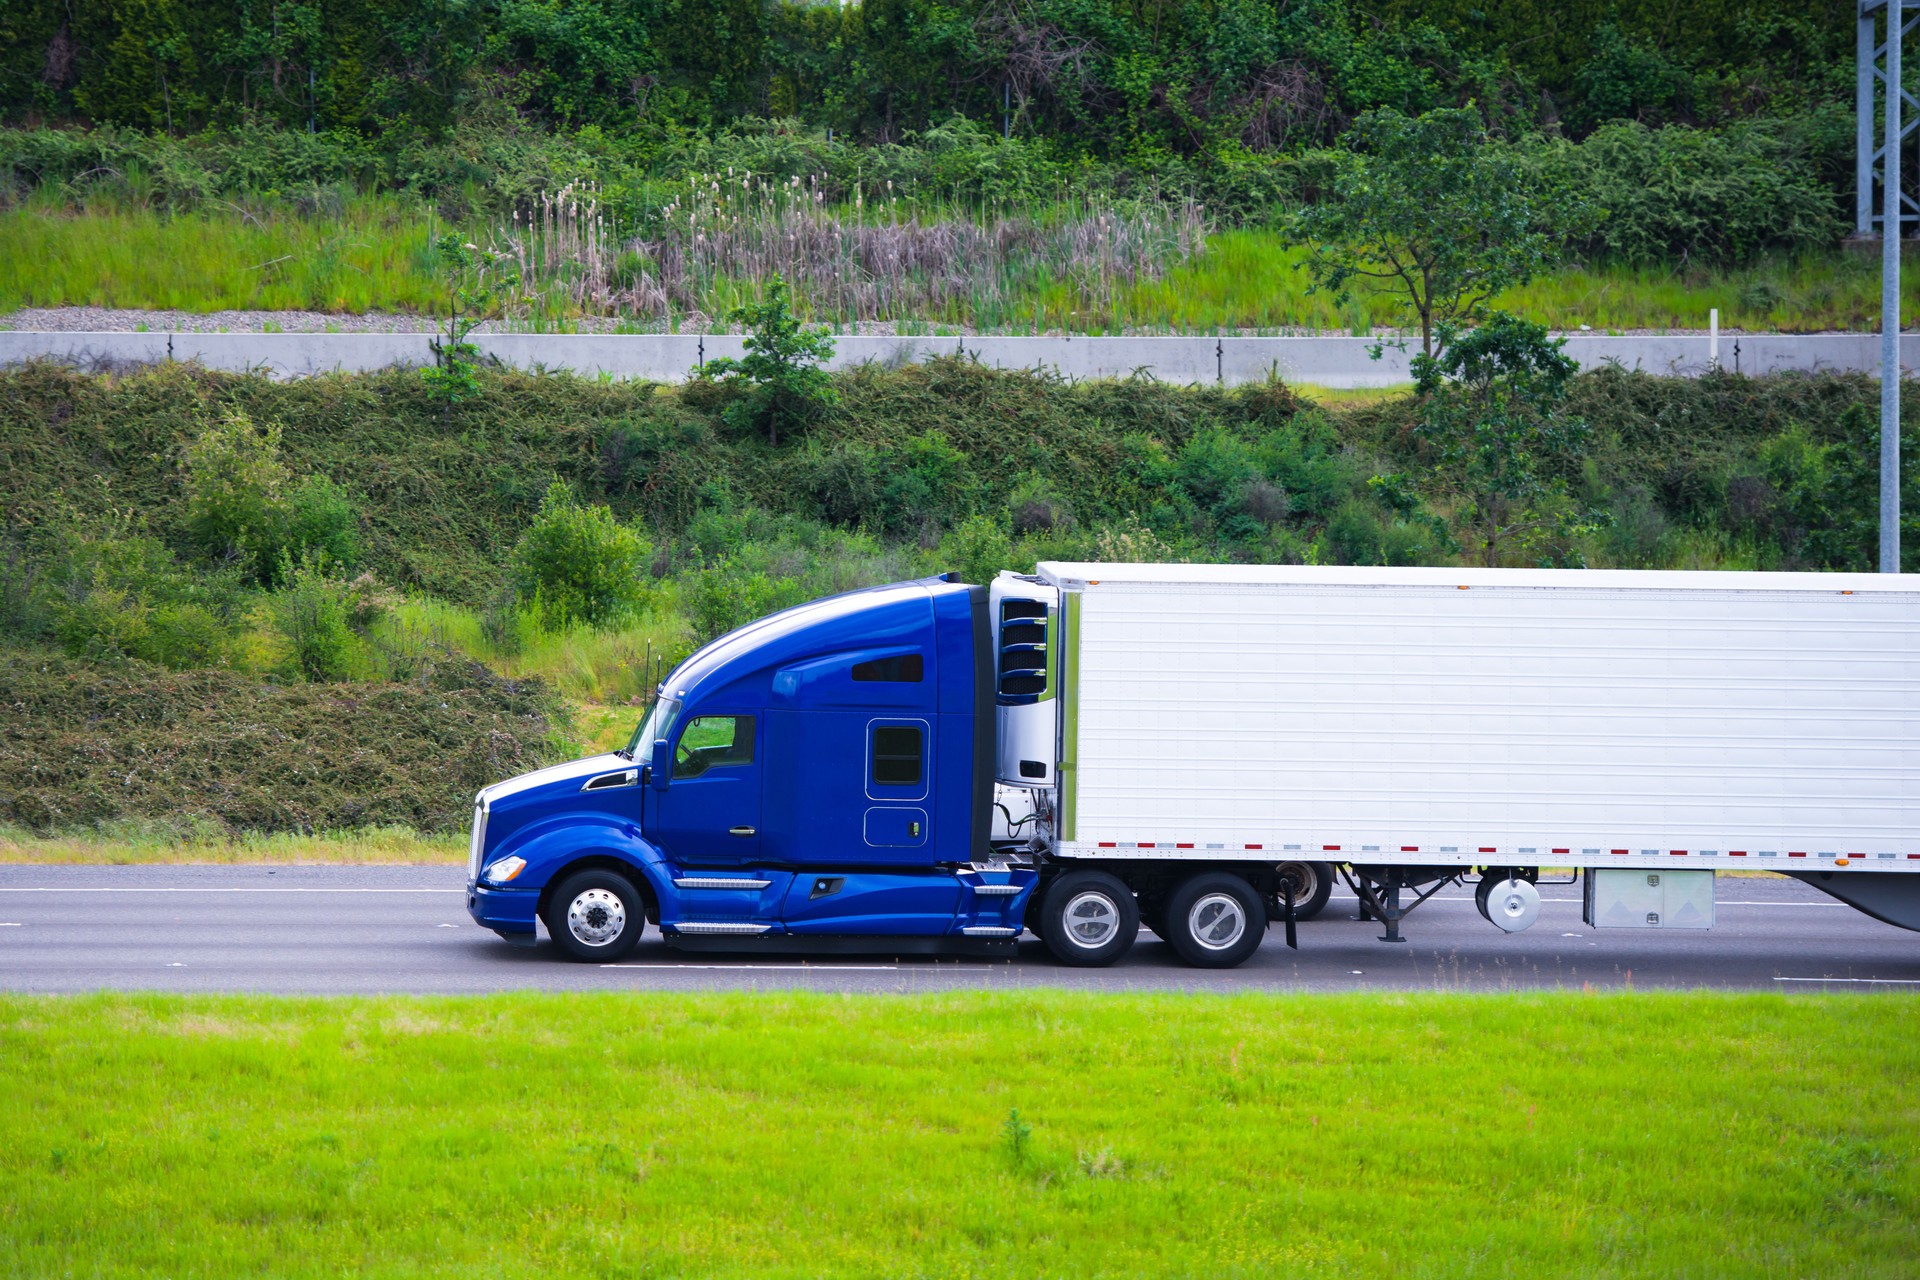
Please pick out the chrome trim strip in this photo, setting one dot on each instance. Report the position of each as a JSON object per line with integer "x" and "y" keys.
{"x": 719, "y": 882}
{"x": 988, "y": 931}
{"x": 997, "y": 890}
{"x": 720, "y": 926}
{"x": 627, "y": 778}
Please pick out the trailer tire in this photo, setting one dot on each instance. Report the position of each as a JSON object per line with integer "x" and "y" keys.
{"x": 1089, "y": 919}
{"x": 1313, "y": 887}
{"x": 596, "y": 915}
{"x": 1216, "y": 920}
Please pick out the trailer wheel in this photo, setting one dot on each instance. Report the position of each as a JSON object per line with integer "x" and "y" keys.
{"x": 1312, "y": 887}
{"x": 596, "y": 914}
{"x": 1089, "y": 918}
{"x": 1216, "y": 920}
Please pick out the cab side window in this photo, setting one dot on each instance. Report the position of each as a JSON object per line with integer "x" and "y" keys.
{"x": 713, "y": 742}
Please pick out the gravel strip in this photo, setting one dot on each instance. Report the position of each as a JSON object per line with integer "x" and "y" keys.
{"x": 117, "y": 320}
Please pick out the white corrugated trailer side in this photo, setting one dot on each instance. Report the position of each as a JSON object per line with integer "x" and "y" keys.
{"x": 1461, "y": 717}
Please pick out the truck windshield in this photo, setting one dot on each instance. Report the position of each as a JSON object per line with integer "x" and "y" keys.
{"x": 656, "y": 724}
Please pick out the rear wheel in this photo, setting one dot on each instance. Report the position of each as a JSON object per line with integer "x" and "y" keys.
{"x": 1312, "y": 884}
{"x": 596, "y": 915}
{"x": 1215, "y": 920}
{"x": 1089, "y": 918}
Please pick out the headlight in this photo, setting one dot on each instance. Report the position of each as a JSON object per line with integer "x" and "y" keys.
{"x": 505, "y": 870}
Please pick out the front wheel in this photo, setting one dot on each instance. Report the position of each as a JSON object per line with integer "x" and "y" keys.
{"x": 596, "y": 915}
{"x": 1215, "y": 920}
{"x": 1089, "y": 918}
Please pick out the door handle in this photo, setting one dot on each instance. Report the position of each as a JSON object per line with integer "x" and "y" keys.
{"x": 739, "y": 831}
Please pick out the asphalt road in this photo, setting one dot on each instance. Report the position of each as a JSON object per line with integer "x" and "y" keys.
{"x": 337, "y": 930}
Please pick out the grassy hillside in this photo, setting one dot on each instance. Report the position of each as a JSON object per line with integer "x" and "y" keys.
{"x": 409, "y": 624}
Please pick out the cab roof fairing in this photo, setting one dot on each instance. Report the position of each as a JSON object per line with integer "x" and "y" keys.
{"x": 851, "y": 620}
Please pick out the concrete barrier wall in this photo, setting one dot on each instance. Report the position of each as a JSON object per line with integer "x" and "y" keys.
{"x": 1324, "y": 361}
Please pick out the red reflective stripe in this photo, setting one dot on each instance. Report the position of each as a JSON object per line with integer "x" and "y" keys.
{"x": 1737, "y": 853}
{"x": 1144, "y": 844}
{"x": 1620, "y": 851}
{"x": 1678, "y": 853}
{"x": 1256, "y": 846}
{"x": 1409, "y": 848}
{"x": 1330, "y": 848}
{"x": 1486, "y": 850}
{"x": 1188, "y": 845}
{"x": 1108, "y": 844}
{"x": 1796, "y": 855}
{"x": 1563, "y": 851}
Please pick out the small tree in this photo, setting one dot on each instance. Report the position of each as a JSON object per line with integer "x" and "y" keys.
{"x": 788, "y": 389}
{"x": 475, "y": 278}
{"x": 1491, "y": 409}
{"x": 1433, "y": 209}
{"x": 579, "y": 564}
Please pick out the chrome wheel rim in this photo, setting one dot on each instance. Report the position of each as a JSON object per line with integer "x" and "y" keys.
{"x": 1216, "y": 921}
{"x": 596, "y": 917}
{"x": 1091, "y": 919}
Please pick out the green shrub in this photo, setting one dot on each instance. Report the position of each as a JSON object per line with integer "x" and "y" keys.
{"x": 786, "y": 388}
{"x": 233, "y": 480}
{"x": 1694, "y": 195}
{"x": 310, "y": 612}
{"x": 240, "y": 508}
{"x": 726, "y": 596}
{"x": 577, "y": 563}
{"x": 977, "y": 549}
{"x": 320, "y": 519}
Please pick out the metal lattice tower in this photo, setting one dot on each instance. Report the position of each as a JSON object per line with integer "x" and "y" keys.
{"x": 1870, "y": 151}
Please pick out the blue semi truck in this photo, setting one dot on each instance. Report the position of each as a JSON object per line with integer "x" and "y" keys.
{"x": 933, "y": 766}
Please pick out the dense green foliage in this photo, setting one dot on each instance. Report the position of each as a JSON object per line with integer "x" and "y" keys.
{"x": 86, "y": 743}
{"x": 1159, "y": 76}
{"x": 485, "y": 108}
{"x": 948, "y": 465}
{"x": 961, "y": 1134}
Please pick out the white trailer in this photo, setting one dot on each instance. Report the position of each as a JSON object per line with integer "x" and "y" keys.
{"x": 1408, "y": 726}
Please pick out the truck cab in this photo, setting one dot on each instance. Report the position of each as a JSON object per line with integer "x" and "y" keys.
{"x": 821, "y": 779}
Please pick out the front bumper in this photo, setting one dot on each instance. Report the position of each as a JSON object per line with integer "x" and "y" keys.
{"x": 508, "y": 912}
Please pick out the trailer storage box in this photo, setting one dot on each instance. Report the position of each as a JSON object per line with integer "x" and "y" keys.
{"x": 1618, "y": 898}
{"x": 1490, "y": 717}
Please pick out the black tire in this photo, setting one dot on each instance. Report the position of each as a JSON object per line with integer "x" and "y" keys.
{"x": 1104, "y": 919}
{"x": 1034, "y": 916}
{"x": 1216, "y": 920}
{"x": 605, "y": 899}
{"x": 1313, "y": 887}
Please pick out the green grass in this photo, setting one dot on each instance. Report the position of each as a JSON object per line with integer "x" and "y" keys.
{"x": 1250, "y": 279}
{"x": 372, "y": 256}
{"x": 1029, "y": 1134}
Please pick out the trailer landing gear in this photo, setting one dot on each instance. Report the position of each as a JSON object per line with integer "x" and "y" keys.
{"x": 1378, "y": 889}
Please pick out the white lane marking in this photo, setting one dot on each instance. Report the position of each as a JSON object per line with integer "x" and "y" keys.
{"x": 1721, "y": 902}
{"x": 1884, "y": 982}
{"x": 126, "y": 888}
{"x": 10, "y": 924}
{"x": 449, "y": 926}
{"x": 176, "y": 965}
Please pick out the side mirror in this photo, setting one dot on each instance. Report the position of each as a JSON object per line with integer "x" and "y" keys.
{"x": 662, "y": 766}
